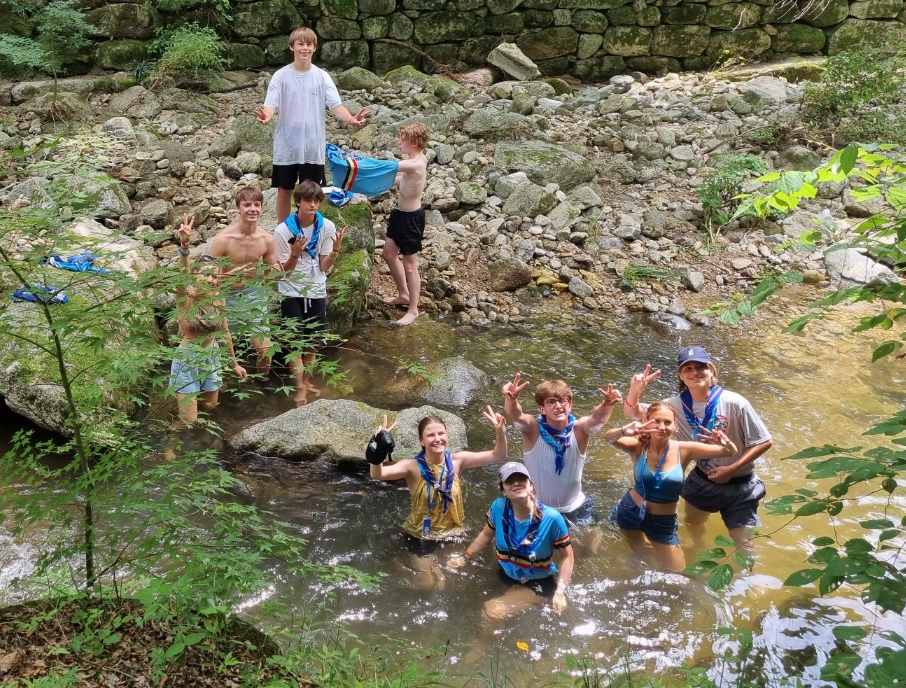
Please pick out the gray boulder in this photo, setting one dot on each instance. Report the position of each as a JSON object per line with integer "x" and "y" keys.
{"x": 136, "y": 101}
{"x": 765, "y": 90}
{"x": 338, "y": 430}
{"x": 119, "y": 128}
{"x": 470, "y": 193}
{"x": 849, "y": 268}
{"x": 509, "y": 58}
{"x": 24, "y": 90}
{"x": 529, "y": 200}
{"x": 508, "y": 274}
{"x": 544, "y": 162}
{"x": 492, "y": 123}
{"x": 357, "y": 78}
{"x": 454, "y": 382}
{"x": 800, "y": 222}
{"x": 104, "y": 195}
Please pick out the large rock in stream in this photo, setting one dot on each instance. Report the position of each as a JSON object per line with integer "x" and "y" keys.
{"x": 338, "y": 430}
{"x": 29, "y": 377}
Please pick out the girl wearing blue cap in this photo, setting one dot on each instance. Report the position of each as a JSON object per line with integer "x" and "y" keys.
{"x": 727, "y": 485}
{"x": 527, "y": 536}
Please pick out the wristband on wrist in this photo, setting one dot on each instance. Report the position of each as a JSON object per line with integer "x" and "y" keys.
{"x": 467, "y": 554}
{"x": 635, "y": 405}
{"x": 185, "y": 252}
{"x": 622, "y": 432}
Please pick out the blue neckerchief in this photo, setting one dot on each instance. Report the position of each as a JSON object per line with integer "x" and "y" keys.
{"x": 710, "y": 410}
{"x": 557, "y": 439}
{"x": 292, "y": 224}
{"x": 525, "y": 546}
{"x": 443, "y": 485}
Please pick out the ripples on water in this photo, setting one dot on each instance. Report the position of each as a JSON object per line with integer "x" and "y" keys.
{"x": 814, "y": 388}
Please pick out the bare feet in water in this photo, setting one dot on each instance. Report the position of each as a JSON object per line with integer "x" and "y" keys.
{"x": 301, "y": 397}
{"x": 407, "y": 319}
{"x": 397, "y": 300}
{"x": 309, "y": 387}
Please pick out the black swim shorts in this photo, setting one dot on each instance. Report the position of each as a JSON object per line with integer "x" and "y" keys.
{"x": 546, "y": 587}
{"x": 287, "y": 176}
{"x": 308, "y": 316}
{"x": 737, "y": 500}
{"x": 406, "y": 228}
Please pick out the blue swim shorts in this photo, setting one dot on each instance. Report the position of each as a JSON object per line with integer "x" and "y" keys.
{"x": 737, "y": 500}
{"x": 660, "y": 529}
{"x": 247, "y": 308}
{"x": 196, "y": 370}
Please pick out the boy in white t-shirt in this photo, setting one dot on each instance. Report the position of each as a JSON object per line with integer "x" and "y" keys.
{"x": 307, "y": 245}
{"x": 301, "y": 92}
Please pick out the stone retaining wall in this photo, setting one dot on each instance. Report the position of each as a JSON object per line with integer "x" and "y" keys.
{"x": 589, "y": 39}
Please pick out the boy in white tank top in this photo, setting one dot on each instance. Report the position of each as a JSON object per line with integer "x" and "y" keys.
{"x": 554, "y": 443}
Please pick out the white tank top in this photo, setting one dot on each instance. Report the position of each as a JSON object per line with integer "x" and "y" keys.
{"x": 562, "y": 492}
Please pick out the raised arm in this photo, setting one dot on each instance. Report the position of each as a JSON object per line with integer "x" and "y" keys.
{"x": 637, "y": 385}
{"x": 467, "y": 459}
{"x": 511, "y": 406}
{"x": 326, "y": 260}
{"x": 343, "y": 114}
{"x": 399, "y": 470}
{"x": 184, "y": 237}
{"x": 719, "y": 446}
{"x": 590, "y": 425}
{"x": 626, "y": 438}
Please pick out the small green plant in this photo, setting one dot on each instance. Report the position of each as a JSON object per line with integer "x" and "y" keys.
{"x": 59, "y": 30}
{"x": 188, "y": 51}
{"x": 641, "y": 273}
{"x": 720, "y": 188}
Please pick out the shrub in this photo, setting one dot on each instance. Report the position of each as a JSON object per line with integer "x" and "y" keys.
{"x": 188, "y": 51}
{"x": 719, "y": 190}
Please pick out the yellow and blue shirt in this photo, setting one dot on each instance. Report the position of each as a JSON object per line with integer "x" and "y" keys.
{"x": 532, "y": 559}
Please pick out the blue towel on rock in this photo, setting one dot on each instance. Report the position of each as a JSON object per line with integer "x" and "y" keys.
{"x": 40, "y": 293}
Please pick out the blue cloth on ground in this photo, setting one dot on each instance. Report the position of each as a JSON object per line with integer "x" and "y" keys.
{"x": 82, "y": 262}
{"x": 338, "y": 198}
{"x": 39, "y": 293}
{"x": 359, "y": 174}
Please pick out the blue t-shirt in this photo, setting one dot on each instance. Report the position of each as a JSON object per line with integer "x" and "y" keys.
{"x": 552, "y": 533}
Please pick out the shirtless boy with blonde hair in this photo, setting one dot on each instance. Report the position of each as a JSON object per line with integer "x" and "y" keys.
{"x": 406, "y": 224}
{"x": 244, "y": 244}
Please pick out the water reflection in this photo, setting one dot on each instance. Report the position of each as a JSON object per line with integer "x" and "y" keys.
{"x": 813, "y": 388}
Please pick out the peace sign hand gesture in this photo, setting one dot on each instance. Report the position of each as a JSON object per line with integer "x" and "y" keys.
{"x": 383, "y": 426}
{"x": 635, "y": 428}
{"x": 717, "y": 437}
{"x": 640, "y": 381}
{"x": 494, "y": 418}
{"x": 512, "y": 389}
{"x": 184, "y": 234}
{"x": 612, "y": 396}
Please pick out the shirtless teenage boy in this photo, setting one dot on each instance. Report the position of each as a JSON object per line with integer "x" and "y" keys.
{"x": 244, "y": 244}
{"x": 406, "y": 224}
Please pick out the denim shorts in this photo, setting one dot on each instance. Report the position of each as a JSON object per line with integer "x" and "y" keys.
{"x": 196, "y": 370}
{"x": 247, "y": 308}
{"x": 660, "y": 529}
{"x": 737, "y": 501}
{"x": 584, "y": 515}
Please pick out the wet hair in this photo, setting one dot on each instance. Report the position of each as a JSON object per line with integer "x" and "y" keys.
{"x": 308, "y": 191}
{"x": 426, "y": 421}
{"x": 416, "y": 133}
{"x": 552, "y": 388}
{"x": 249, "y": 194}
{"x": 681, "y": 386}
{"x": 533, "y": 497}
{"x": 304, "y": 34}
{"x": 656, "y": 406}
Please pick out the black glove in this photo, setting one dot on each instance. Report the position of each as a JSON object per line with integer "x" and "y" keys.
{"x": 380, "y": 447}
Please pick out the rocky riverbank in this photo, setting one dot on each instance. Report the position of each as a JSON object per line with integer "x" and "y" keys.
{"x": 585, "y": 194}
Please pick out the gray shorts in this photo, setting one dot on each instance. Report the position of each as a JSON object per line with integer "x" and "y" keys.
{"x": 247, "y": 311}
{"x": 737, "y": 502}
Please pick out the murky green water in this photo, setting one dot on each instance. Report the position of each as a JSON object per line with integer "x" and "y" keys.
{"x": 814, "y": 388}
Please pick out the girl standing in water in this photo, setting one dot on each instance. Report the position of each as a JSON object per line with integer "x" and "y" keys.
{"x": 433, "y": 481}
{"x": 202, "y": 323}
{"x": 647, "y": 512}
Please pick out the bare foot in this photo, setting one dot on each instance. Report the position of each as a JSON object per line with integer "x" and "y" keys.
{"x": 396, "y": 300}
{"x": 301, "y": 398}
{"x": 407, "y": 319}
{"x": 309, "y": 387}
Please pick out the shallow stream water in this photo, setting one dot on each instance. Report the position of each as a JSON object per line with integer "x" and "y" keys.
{"x": 810, "y": 389}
